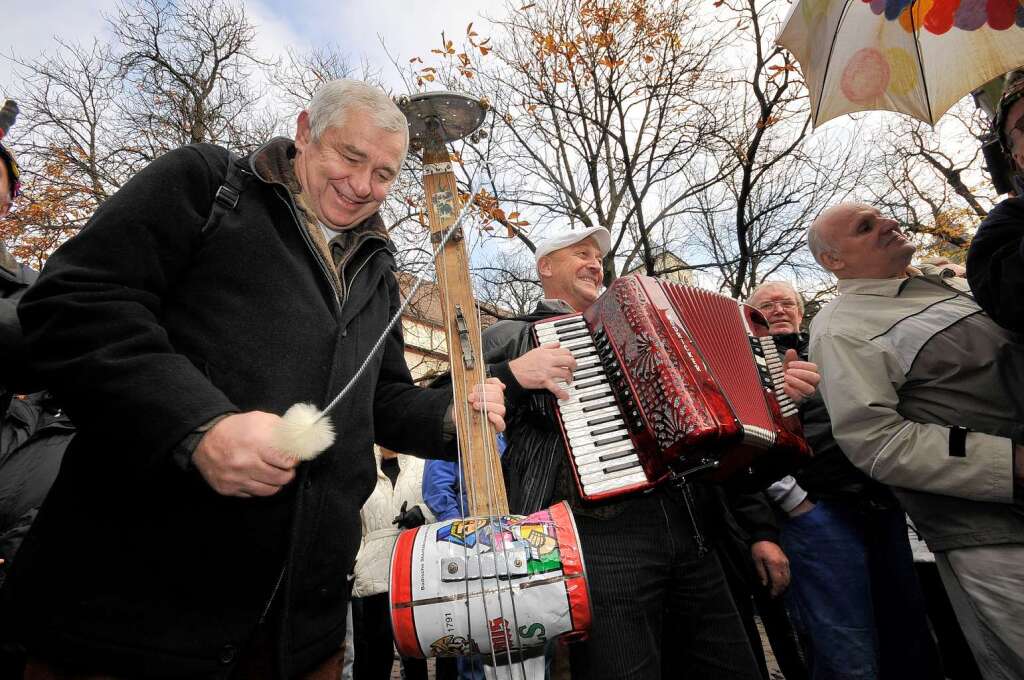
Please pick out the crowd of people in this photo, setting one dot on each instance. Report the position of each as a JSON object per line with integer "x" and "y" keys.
{"x": 151, "y": 527}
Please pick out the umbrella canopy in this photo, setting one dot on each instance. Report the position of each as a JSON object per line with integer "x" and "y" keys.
{"x": 917, "y": 57}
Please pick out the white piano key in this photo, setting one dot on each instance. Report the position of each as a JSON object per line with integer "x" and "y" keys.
{"x": 580, "y": 439}
{"x": 603, "y": 476}
{"x": 580, "y": 419}
{"x": 613, "y": 484}
{"x": 600, "y": 466}
{"x": 590, "y": 447}
{"x": 587, "y": 457}
{"x": 593, "y": 405}
{"x": 583, "y": 427}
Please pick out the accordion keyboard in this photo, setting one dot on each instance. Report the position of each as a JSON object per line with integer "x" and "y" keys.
{"x": 596, "y": 431}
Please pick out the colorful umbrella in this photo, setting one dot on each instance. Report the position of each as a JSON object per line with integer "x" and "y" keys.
{"x": 912, "y": 56}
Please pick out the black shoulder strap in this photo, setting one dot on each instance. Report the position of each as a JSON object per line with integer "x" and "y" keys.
{"x": 228, "y": 193}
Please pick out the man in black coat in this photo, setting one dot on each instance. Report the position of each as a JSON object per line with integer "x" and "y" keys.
{"x": 995, "y": 262}
{"x": 205, "y": 297}
{"x": 33, "y": 430}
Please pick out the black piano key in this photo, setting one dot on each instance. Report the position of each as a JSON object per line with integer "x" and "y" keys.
{"x": 610, "y": 440}
{"x": 595, "y": 407}
{"x": 596, "y": 395}
{"x": 606, "y": 430}
{"x": 622, "y": 466}
{"x": 617, "y": 454}
{"x": 566, "y": 322}
{"x": 588, "y": 373}
{"x": 591, "y": 383}
{"x": 606, "y": 419}
{"x": 572, "y": 335}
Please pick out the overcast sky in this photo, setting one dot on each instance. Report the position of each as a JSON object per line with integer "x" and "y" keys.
{"x": 357, "y": 26}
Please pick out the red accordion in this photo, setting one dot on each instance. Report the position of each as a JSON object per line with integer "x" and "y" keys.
{"x": 670, "y": 380}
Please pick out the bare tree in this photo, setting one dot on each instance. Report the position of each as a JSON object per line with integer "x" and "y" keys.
{"x": 187, "y": 68}
{"x": 751, "y": 225}
{"x": 508, "y": 283}
{"x": 302, "y": 73}
{"x": 931, "y": 179}
{"x": 173, "y": 73}
{"x": 599, "y": 112}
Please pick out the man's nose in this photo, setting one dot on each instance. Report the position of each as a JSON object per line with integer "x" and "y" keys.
{"x": 360, "y": 183}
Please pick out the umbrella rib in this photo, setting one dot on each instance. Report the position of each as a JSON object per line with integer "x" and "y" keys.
{"x": 914, "y": 28}
{"x": 828, "y": 62}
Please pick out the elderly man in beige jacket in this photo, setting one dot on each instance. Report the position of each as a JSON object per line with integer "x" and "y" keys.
{"x": 926, "y": 394}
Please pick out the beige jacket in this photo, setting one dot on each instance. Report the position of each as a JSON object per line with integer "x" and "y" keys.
{"x": 379, "y": 534}
{"x": 926, "y": 394}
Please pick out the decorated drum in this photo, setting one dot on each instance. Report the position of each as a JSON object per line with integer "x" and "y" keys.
{"x": 494, "y": 586}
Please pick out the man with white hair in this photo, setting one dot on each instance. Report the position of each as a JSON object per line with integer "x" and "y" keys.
{"x": 204, "y": 298}
{"x": 924, "y": 393}
{"x": 661, "y": 606}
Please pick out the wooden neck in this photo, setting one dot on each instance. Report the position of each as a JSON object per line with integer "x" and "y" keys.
{"x": 485, "y": 485}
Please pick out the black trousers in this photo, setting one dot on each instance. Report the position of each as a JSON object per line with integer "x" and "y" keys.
{"x": 661, "y": 607}
{"x": 374, "y": 643}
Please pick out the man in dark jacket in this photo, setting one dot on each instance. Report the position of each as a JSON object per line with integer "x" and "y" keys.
{"x": 15, "y": 278}
{"x": 995, "y": 262}
{"x": 661, "y": 607}
{"x": 33, "y": 430}
{"x": 853, "y": 592}
{"x": 177, "y": 541}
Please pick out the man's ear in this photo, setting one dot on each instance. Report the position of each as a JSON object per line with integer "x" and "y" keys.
{"x": 544, "y": 266}
{"x": 832, "y": 261}
{"x": 302, "y": 131}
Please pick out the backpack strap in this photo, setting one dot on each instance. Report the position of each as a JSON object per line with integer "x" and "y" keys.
{"x": 228, "y": 193}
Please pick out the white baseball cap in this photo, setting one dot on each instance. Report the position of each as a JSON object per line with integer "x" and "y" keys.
{"x": 568, "y": 237}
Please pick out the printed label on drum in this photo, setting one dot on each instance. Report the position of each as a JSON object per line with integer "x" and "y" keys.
{"x": 511, "y": 589}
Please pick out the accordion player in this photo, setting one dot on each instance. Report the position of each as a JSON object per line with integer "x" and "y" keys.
{"x": 672, "y": 381}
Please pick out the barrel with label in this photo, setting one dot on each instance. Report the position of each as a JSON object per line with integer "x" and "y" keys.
{"x": 496, "y": 586}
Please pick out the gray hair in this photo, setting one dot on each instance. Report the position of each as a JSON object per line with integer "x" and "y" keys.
{"x": 334, "y": 100}
{"x": 818, "y": 244}
{"x": 781, "y": 284}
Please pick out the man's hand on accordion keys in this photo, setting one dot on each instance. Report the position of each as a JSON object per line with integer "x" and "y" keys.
{"x": 544, "y": 367}
{"x": 802, "y": 377}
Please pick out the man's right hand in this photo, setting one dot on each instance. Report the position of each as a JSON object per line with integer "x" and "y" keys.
{"x": 772, "y": 566}
{"x": 236, "y": 459}
{"x": 542, "y": 366}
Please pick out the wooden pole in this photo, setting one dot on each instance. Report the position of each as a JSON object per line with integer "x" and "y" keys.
{"x": 485, "y": 485}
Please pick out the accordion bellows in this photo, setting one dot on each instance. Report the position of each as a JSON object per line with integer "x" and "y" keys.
{"x": 671, "y": 379}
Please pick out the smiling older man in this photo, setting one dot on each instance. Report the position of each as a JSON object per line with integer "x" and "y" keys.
{"x": 925, "y": 395}
{"x": 205, "y": 297}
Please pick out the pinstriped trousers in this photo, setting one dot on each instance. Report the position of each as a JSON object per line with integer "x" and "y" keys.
{"x": 660, "y": 608}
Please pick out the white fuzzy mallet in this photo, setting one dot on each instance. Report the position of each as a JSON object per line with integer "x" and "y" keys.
{"x": 304, "y": 432}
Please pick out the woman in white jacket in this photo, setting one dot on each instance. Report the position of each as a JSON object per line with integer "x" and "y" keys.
{"x": 395, "y": 504}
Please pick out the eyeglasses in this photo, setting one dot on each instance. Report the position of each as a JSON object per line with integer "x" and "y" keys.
{"x": 767, "y": 306}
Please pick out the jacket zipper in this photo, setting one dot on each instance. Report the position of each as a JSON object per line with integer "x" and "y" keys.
{"x": 362, "y": 265}
{"x": 273, "y": 593}
{"x": 316, "y": 254}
